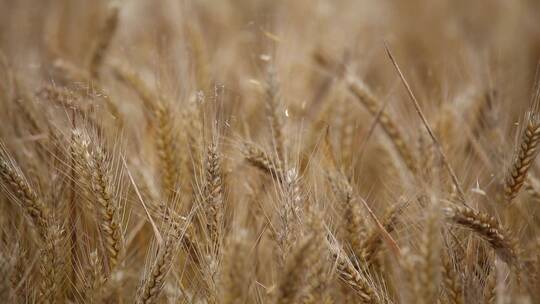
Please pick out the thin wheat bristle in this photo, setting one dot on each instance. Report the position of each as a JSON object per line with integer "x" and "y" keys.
{"x": 63, "y": 97}
{"x": 490, "y": 293}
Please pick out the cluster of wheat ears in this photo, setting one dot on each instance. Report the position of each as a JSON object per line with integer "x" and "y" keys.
{"x": 240, "y": 152}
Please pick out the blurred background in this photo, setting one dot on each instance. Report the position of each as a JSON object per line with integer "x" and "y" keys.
{"x": 443, "y": 45}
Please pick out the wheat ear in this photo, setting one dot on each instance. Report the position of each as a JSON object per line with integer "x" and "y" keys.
{"x": 488, "y": 228}
{"x": 355, "y": 227}
{"x": 453, "y": 289}
{"x": 166, "y": 148}
{"x": 372, "y": 244}
{"x": 17, "y": 185}
{"x": 392, "y": 130}
{"x": 430, "y": 268}
{"x": 525, "y": 155}
{"x": 98, "y": 177}
{"x": 52, "y": 267}
{"x": 258, "y": 158}
{"x": 290, "y": 285}
{"x": 317, "y": 277}
{"x": 200, "y": 56}
{"x": 351, "y": 277}
{"x": 273, "y": 103}
{"x": 103, "y": 42}
{"x": 135, "y": 82}
{"x": 213, "y": 192}
{"x": 109, "y": 208}
{"x": 95, "y": 280}
{"x": 155, "y": 278}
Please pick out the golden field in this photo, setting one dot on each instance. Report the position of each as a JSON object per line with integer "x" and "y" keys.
{"x": 257, "y": 151}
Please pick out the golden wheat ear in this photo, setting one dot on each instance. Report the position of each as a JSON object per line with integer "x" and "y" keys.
{"x": 389, "y": 125}
{"x": 319, "y": 278}
{"x": 355, "y": 228}
{"x": 103, "y": 41}
{"x": 352, "y": 278}
{"x": 372, "y": 244}
{"x": 51, "y": 235}
{"x": 263, "y": 161}
{"x": 52, "y": 266}
{"x": 154, "y": 278}
{"x": 94, "y": 279}
{"x": 453, "y": 287}
{"x": 303, "y": 257}
{"x": 136, "y": 83}
{"x": 526, "y": 151}
{"x": 487, "y": 228}
{"x": 430, "y": 250}
{"x": 16, "y": 186}
{"x": 273, "y": 112}
{"x": 97, "y": 178}
{"x": 213, "y": 193}
{"x": 166, "y": 148}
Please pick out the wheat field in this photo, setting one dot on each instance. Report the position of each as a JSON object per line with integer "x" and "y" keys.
{"x": 257, "y": 151}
